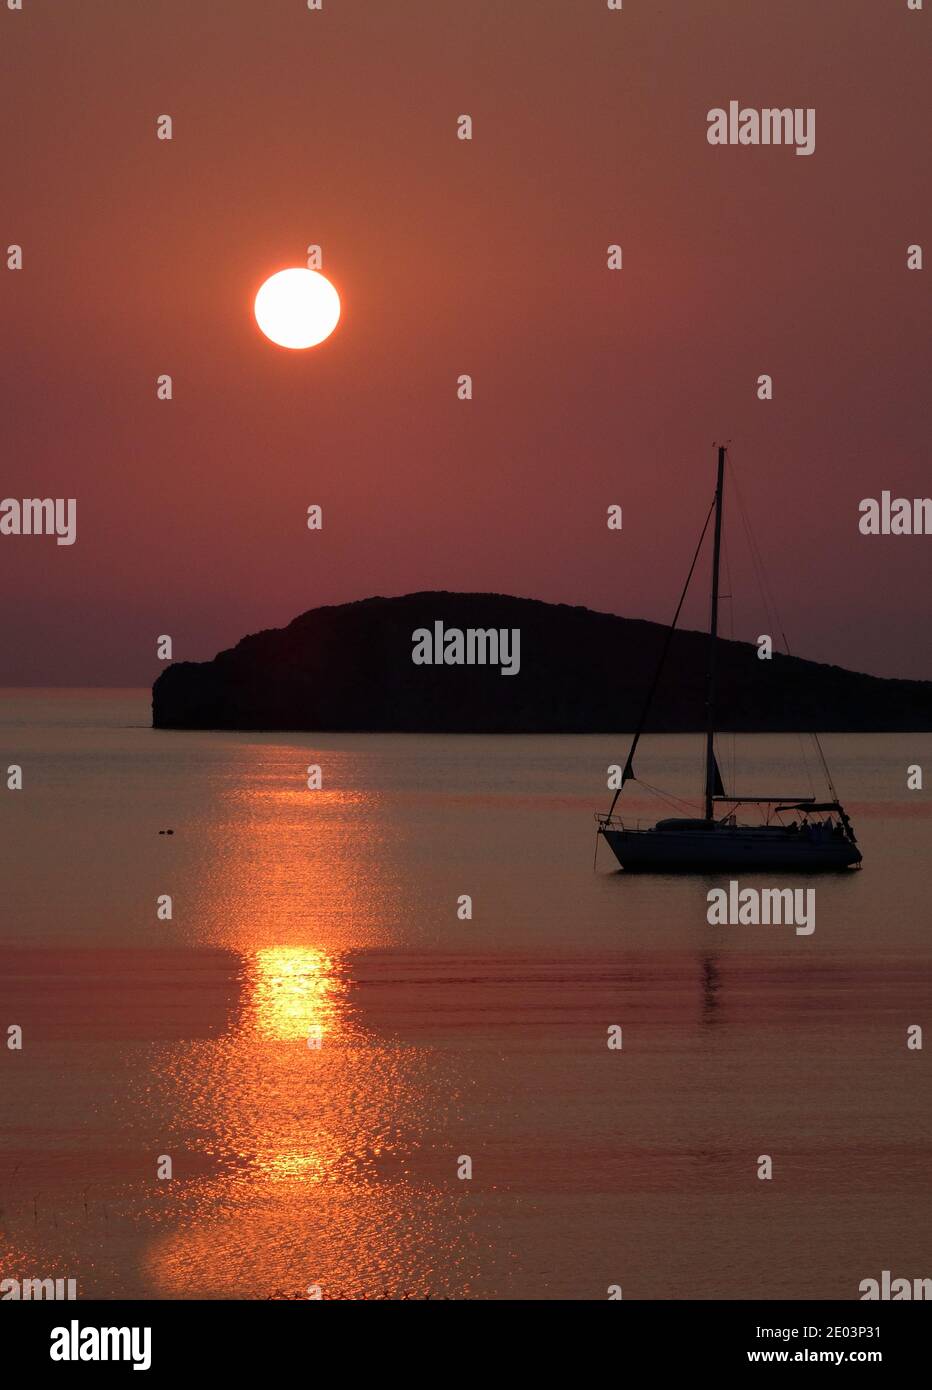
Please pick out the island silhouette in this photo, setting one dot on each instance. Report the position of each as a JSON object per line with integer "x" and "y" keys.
{"x": 349, "y": 667}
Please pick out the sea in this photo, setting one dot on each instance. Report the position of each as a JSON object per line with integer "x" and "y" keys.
{"x": 403, "y": 1034}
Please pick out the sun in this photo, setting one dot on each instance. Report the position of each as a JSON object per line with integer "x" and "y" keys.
{"x": 297, "y": 308}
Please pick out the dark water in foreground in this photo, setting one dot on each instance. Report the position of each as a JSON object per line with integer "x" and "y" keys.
{"x": 334, "y": 913}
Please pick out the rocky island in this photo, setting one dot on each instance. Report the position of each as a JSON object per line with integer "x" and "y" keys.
{"x": 439, "y": 662}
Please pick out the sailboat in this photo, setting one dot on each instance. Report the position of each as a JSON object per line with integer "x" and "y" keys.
{"x": 819, "y": 836}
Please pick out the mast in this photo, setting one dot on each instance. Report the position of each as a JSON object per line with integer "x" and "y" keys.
{"x": 710, "y": 765}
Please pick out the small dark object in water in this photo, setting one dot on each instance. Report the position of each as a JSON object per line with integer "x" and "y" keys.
{"x": 166, "y": 832}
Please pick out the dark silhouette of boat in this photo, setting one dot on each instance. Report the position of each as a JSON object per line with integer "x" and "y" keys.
{"x": 819, "y": 836}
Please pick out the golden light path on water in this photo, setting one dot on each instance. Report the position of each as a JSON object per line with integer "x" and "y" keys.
{"x": 294, "y": 998}
{"x": 302, "y": 1167}
{"x": 304, "y": 1173}
{"x": 294, "y": 993}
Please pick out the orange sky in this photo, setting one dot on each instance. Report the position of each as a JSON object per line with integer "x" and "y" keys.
{"x": 487, "y": 257}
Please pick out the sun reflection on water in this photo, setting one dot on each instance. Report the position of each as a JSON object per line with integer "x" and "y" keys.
{"x": 294, "y": 992}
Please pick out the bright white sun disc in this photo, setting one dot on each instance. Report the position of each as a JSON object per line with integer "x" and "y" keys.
{"x": 297, "y": 308}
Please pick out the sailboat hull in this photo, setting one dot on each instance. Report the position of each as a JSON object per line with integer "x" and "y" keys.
{"x": 730, "y": 848}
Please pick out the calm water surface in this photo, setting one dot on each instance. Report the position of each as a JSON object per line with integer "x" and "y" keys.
{"x": 333, "y": 914}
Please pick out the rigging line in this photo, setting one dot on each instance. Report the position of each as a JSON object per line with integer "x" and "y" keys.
{"x": 757, "y": 563}
{"x": 628, "y": 768}
{"x": 771, "y": 605}
{"x": 669, "y": 797}
{"x": 732, "y": 747}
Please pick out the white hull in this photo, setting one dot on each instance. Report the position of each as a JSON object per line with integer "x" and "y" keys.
{"x": 721, "y": 848}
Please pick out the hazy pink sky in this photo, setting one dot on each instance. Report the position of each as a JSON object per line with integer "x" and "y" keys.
{"x": 591, "y": 387}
